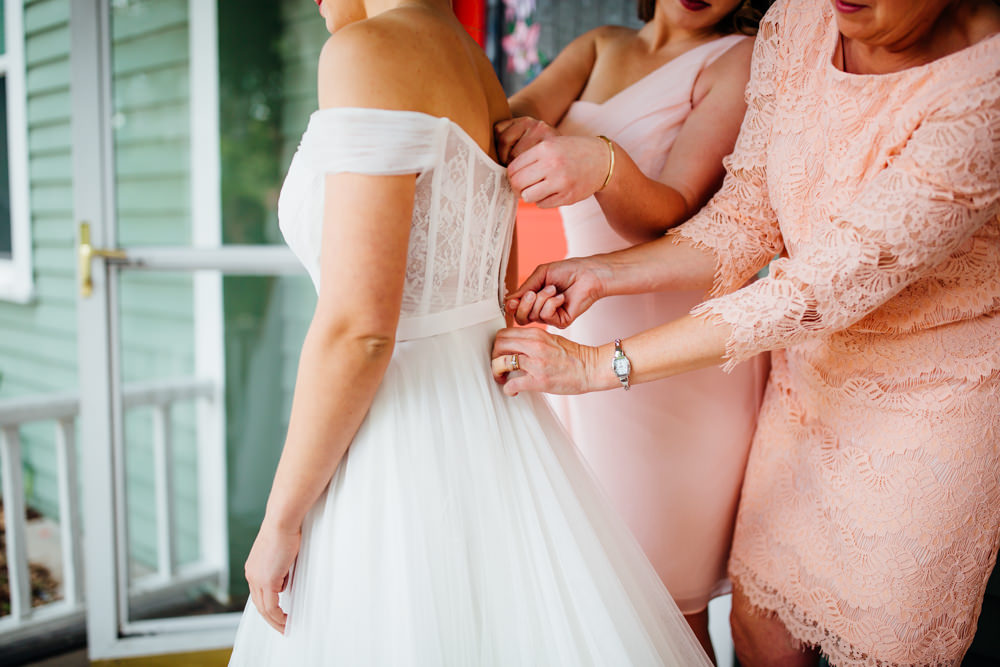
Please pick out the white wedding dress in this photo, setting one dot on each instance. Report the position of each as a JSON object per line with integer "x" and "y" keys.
{"x": 462, "y": 528}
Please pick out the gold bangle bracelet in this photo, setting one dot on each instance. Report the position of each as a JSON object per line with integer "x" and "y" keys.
{"x": 611, "y": 161}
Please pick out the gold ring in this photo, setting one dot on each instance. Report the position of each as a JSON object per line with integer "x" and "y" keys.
{"x": 514, "y": 364}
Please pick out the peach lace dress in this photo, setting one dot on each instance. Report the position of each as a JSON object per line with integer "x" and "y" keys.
{"x": 669, "y": 454}
{"x": 870, "y": 513}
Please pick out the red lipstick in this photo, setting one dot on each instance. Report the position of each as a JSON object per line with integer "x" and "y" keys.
{"x": 847, "y": 7}
{"x": 694, "y": 5}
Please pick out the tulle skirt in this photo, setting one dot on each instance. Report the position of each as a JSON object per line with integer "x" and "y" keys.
{"x": 463, "y": 529}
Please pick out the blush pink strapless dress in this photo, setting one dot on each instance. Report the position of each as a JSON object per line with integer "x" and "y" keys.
{"x": 670, "y": 454}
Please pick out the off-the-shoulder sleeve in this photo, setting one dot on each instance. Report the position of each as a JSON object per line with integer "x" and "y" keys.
{"x": 940, "y": 190}
{"x": 361, "y": 141}
{"x": 371, "y": 141}
{"x": 738, "y": 225}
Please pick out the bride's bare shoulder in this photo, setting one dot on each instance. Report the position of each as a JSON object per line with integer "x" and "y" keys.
{"x": 385, "y": 61}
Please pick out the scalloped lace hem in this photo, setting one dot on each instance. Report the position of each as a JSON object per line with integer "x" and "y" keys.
{"x": 808, "y": 632}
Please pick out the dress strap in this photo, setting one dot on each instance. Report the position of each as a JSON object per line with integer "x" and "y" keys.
{"x": 371, "y": 141}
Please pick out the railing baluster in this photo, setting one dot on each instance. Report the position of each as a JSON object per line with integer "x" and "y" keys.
{"x": 163, "y": 471}
{"x": 14, "y": 518}
{"x": 69, "y": 520}
{"x": 63, "y": 409}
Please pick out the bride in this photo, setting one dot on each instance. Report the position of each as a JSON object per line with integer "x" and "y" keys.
{"x": 419, "y": 516}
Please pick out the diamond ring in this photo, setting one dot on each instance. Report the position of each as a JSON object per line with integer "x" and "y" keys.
{"x": 513, "y": 363}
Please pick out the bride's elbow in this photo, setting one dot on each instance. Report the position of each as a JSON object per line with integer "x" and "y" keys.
{"x": 361, "y": 341}
{"x": 375, "y": 346}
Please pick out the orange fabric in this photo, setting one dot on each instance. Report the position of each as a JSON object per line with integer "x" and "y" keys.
{"x": 540, "y": 238}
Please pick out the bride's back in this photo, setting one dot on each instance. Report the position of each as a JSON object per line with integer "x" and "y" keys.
{"x": 418, "y": 58}
{"x": 414, "y": 94}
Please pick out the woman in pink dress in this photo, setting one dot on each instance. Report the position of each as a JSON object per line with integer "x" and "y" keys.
{"x": 670, "y": 455}
{"x": 870, "y": 157}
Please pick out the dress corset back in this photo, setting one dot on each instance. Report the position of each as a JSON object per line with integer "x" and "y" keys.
{"x": 463, "y": 210}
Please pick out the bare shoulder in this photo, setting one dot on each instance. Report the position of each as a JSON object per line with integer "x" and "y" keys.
{"x": 614, "y": 36}
{"x": 733, "y": 63}
{"x": 379, "y": 62}
{"x": 731, "y": 70}
{"x": 601, "y": 37}
{"x": 612, "y": 32}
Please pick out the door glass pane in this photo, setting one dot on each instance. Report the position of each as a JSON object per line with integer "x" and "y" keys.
{"x": 266, "y": 96}
{"x": 201, "y": 440}
{"x": 170, "y": 323}
{"x": 150, "y": 73}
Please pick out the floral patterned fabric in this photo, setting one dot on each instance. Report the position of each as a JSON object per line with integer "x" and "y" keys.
{"x": 870, "y": 512}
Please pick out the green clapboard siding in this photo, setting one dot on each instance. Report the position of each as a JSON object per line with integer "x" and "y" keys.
{"x": 267, "y": 95}
{"x": 38, "y": 340}
{"x": 150, "y": 71}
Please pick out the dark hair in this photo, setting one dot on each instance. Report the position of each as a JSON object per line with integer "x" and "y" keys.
{"x": 744, "y": 19}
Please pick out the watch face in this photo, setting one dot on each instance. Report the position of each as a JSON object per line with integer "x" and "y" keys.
{"x": 621, "y": 366}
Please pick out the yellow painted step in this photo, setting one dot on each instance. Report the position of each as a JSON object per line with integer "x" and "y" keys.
{"x": 218, "y": 658}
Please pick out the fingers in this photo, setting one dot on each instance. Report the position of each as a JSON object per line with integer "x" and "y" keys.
{"x": 507, "y": 133}
{"x": 538, "y": 306}
{"x": 502, "y": 125}
{"x": 266, "y": 603}
{"x": 525, "y": 174}
{"x": 501, "y": 366}
{"x": 541, "y": 300}
{"x": 527, "y": 305}
{"x": 517, "y": 135}
{"x": 272, "y": 612}
{"x": 549, "y": 312}
{"x": 532, "y": 283}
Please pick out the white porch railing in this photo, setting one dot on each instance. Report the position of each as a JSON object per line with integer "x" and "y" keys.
{"x": 62, "y": 410}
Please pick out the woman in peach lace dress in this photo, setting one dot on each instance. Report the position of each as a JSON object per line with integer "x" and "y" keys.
{"x": 870, "y": 158}
{"x": 670, "y": 97}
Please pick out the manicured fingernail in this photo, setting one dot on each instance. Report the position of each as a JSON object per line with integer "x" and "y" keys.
{"x": 550, "y": 289}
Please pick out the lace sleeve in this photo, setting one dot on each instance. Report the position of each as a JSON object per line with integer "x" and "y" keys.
{"x": 738, "y": 224}
{"x": 371, "y": 141}
{"x": 940, "y": 189}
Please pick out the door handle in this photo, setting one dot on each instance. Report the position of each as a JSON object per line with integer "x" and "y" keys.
{"x": 85, "y": 253}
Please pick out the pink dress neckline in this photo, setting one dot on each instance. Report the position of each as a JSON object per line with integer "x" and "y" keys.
{"x": 669, "y": 65}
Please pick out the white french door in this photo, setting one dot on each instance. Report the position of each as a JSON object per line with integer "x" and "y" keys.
{"x": 161, "y": 451}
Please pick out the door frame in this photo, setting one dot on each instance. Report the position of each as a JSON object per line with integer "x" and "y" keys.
{"x": 110, "y": 632}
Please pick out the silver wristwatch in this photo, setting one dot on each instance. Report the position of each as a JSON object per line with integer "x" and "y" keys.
{"x": 620, "y": 364}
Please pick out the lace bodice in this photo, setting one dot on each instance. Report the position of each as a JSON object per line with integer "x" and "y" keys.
{"x": 463, "y": 209}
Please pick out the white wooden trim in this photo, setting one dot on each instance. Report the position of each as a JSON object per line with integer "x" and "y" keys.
{"x": 167, "y": 643}
{"x": 16, "y": 279}
{"x": 163, "y": 483}
{"x": 227, "y": 622}
{"x": 93, "y": 174}
{"x": 69, "y": 519}
{"x": 13, "y": 507}
{"x": 206, "y": 226}
{"x": 247, "y": 260}
{"x": 54, "y": 618}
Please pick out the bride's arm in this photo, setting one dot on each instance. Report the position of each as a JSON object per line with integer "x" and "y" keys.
{"x": 366, "y": 222}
